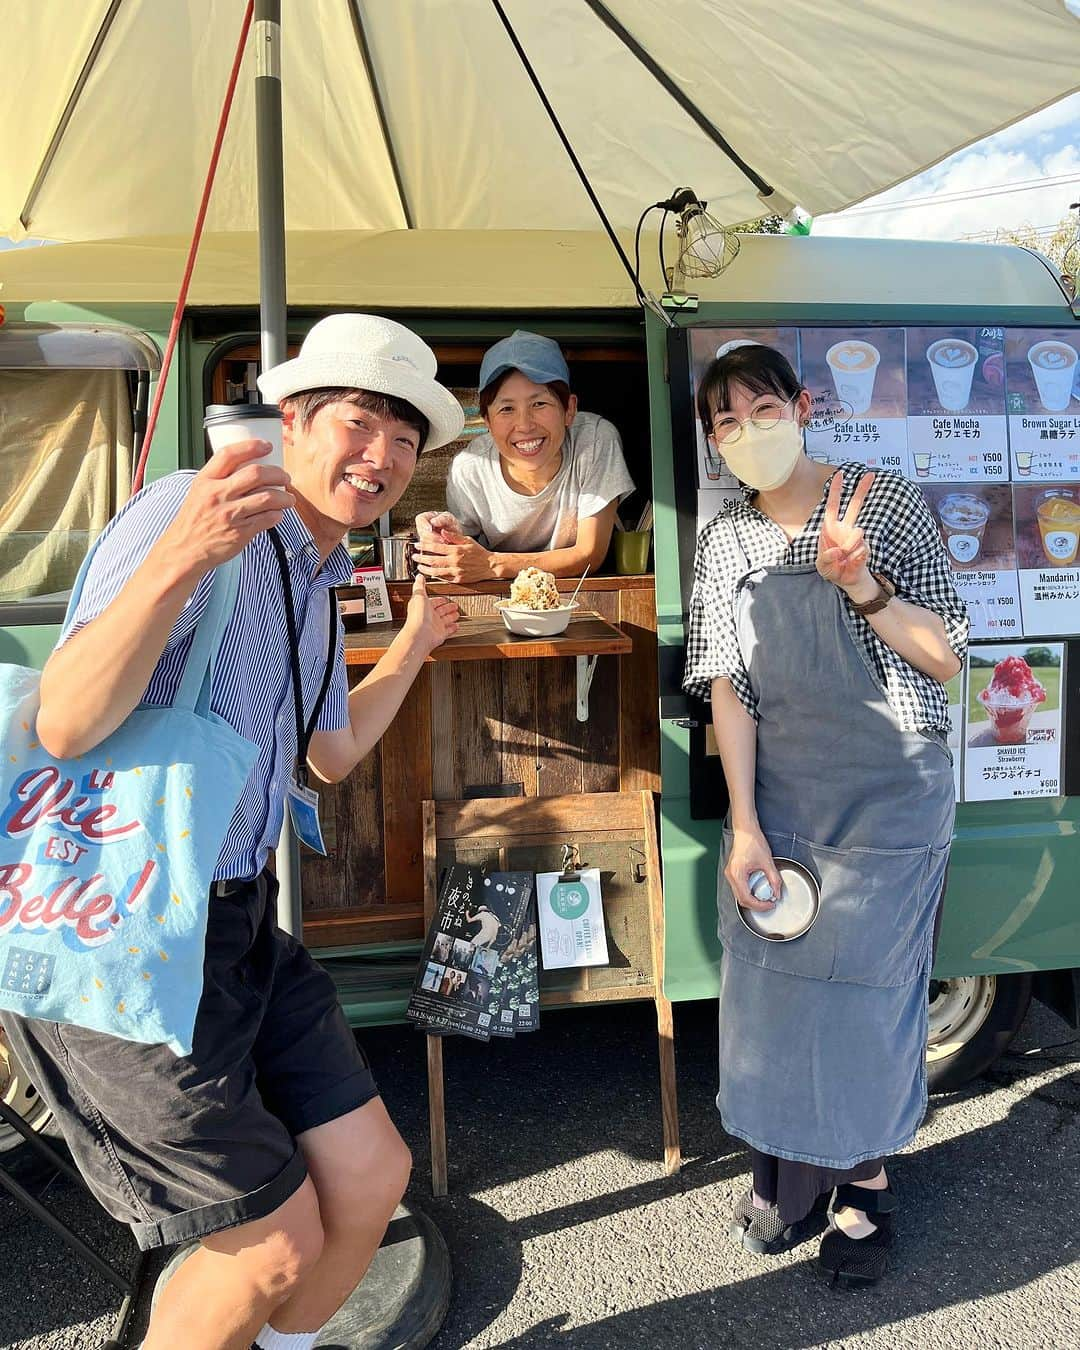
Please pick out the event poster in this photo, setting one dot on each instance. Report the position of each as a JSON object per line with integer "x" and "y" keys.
{"x": 956, "y": 404}
{"x": 1047, "y": 524}
{"x": 1013, "y": 736}
{"x": 1043, "y": 400}
{"x": 976, "y": 525}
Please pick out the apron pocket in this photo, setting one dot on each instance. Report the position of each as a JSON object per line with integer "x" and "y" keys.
{"x": 876, "y": 919}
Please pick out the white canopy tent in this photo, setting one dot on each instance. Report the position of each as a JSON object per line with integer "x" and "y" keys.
{"x": 418, "y": 112}
{"x": 420, "y": 115}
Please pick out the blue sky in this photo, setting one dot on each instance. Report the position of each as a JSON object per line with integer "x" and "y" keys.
{"x": 1025, "y": 175}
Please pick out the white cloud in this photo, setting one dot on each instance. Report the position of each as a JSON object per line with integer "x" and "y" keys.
{"x": 1022, "y": 155}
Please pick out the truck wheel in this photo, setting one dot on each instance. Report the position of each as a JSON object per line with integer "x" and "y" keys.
{"x": 973, "y": 1018}
{"x": 19, "y": 1094}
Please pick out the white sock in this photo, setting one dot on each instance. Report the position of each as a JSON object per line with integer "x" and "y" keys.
{"x": 269, "y": 1339}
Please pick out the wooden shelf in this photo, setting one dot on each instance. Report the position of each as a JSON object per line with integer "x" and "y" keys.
{"x": 484, "y": 638}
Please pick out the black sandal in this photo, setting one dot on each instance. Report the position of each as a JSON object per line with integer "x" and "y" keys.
{"x": 858, "y": 1261}
{"x": 763, "y": 1232}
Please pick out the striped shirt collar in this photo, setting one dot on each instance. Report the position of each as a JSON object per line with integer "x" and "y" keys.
{"x": 298, "y": 541}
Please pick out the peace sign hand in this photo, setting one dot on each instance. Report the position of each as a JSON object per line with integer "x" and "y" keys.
{"x": 842, "y": 549}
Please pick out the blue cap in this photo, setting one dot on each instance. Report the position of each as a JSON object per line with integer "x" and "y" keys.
{"x": 537, "y": 357}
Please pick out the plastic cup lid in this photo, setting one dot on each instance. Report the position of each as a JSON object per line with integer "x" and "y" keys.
{"x": 217, "y": 413}
{"x": 795, "y": 910}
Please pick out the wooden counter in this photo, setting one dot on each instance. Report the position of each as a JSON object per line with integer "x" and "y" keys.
{"x": 492, "y": 719}
{"x": 483, "y": 637}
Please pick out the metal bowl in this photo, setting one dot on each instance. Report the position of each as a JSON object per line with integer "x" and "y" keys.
{"x": 795, "y": 910}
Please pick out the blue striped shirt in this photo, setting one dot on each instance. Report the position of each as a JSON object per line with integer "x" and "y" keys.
{"x": 252, "y": 681}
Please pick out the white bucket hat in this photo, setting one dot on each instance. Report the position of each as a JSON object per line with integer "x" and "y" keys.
{"x": 364, "y": 351}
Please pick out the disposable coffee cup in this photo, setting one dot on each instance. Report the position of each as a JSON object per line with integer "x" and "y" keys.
{"x": 853, "y": 365}
{"x": 1053, "y": 365}
{"x": 952, "y": 364}
{"x": 226, "y": 423}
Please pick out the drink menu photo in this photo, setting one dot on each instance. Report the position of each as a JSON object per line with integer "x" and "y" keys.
{"x": 986, "y": 420}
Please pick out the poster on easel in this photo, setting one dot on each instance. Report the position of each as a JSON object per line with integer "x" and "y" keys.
{"x": 1014, "y": 733}
{"x": 976, "y": 525}
{"x": 857, "y": 380}
{"x": 1043, "y": 401}
{"x": 1047, "y": 530}
{"x": 956, "y": 405}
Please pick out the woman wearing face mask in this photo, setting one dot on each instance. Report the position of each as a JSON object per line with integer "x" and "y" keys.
{"x": 823, "y": 625}
{"x": 540, "y": 489}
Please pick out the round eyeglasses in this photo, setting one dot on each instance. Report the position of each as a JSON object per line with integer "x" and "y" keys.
{"x": 726, "y": 430}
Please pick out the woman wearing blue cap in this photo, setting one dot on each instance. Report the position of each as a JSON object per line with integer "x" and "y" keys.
{"x": 540, "y": 488}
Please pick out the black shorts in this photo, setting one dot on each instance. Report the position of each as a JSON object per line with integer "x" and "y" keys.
{"x": 181, "y": 1148}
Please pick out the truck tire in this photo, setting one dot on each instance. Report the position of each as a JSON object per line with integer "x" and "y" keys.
{"x": 18, "y": 1092}
{"x": 973, "y": 1018}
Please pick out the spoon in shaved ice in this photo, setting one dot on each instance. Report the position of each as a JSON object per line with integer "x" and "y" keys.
{"x": 578, "y": 586}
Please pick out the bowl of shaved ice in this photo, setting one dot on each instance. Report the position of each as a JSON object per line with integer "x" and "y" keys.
{"x": 535, "y": 608}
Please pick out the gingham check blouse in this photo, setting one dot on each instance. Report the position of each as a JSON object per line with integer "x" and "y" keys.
{"x": 905, "y": 546}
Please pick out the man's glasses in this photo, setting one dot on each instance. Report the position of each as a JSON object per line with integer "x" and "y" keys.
{"x": 726, "y": 430}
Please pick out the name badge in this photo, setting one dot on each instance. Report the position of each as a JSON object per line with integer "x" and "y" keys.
{"x": 304, "y": 814}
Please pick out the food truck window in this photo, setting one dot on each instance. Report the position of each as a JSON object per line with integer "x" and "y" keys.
{"x": 69, "y": 402}
{"x": 609, "y": 380}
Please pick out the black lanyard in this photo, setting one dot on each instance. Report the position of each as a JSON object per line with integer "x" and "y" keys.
{"x": 303, "y": 732}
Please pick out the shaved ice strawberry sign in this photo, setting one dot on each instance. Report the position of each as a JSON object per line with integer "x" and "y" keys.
{"x": 1014, "y": 725}
{"x": 64, "y": 890}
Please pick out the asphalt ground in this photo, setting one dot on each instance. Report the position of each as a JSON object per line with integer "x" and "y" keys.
{"x": 564, "y": 1232}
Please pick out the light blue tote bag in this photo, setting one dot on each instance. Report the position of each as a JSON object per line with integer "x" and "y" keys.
{"x": 106, "y": 859}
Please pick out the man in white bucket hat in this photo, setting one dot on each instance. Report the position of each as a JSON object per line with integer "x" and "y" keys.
{"x": 269, "y": 1144}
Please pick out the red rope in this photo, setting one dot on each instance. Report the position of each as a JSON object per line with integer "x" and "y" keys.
{"x": 193, "y": 250}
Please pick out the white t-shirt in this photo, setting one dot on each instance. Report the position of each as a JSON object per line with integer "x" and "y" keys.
{"x": 592, "y": 474}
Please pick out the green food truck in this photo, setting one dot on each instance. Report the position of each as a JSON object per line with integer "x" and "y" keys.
{"x": 964, "y": 360}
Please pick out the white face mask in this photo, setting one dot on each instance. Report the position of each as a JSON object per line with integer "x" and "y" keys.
{"x": 765, "y": 459}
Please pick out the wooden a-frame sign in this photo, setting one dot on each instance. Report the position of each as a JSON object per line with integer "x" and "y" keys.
{"x": 613, "y": 830}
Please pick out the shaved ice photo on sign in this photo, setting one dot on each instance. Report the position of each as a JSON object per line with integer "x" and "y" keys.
{"x": 1014, "y": 721}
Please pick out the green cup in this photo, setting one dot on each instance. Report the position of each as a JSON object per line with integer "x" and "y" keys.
{"x": 632, "y": 552}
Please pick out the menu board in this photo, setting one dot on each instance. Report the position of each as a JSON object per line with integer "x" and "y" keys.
{"x": 986, "y": 420}
{"x": 1013, "y": 732}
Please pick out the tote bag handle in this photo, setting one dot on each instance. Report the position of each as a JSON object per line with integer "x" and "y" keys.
{"x": 193, "y": 692}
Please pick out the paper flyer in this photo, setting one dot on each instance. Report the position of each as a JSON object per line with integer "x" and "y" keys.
{"x": 571, "y": 917}
{"x": 1043, "y": 401}
{"x": 976, "y": 525}
{"x": 956, "y": 405}
{"x": 515, "y": 987}
{"x": 443, "y": 997}
{"x": 858, "y": 383}
{"x": 1014, "y": 734}
{"x": 1047, "y": 528}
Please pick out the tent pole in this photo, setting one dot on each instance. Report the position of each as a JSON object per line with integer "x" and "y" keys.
{"x": 273, "y": 322}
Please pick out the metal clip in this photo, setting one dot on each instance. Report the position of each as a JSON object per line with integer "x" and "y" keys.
{"x": 571, "y": 863}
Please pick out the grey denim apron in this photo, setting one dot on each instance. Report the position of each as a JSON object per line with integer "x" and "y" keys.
{"x": 823, "y": 1039}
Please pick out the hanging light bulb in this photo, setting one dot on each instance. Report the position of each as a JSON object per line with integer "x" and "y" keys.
{"x": 706, "y": 247}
